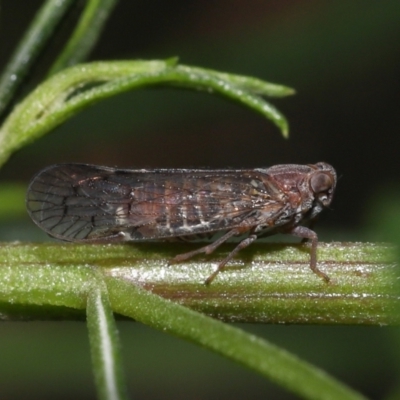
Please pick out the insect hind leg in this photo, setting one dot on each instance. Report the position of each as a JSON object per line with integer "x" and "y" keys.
{"x": 206, "y": 249}
{"x": 244, "y": 243}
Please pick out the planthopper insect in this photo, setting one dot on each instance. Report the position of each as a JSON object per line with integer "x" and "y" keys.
{"x": 87, "y": 203}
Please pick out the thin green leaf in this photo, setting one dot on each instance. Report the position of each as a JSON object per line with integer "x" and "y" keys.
{"x": 104, "y": 344}
{"x": 251, "y": 84}
{"x": 238, "y": 88}
{"x": 70, "y": 91}
{"x": 85, "y": 35}
{"x": 32, "y": 43}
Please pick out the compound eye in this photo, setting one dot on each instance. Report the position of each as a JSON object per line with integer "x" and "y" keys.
{"x": 321, "y": 182}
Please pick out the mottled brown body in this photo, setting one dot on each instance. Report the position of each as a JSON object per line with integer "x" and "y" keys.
{"x": 79, "y": 202}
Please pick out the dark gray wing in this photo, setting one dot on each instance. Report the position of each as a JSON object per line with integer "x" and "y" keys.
{"x": 80, "y": 202}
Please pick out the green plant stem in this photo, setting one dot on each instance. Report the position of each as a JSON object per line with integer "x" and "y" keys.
{"x": 263, "y": 357}
{"x": 32, "y": 43}
{"x": 272, "y": 284}
{"x": 266, "y": 283}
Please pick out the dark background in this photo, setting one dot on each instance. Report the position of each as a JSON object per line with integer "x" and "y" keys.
{"x": 343, "y": 60}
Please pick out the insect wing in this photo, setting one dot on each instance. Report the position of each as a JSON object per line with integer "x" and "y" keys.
{"x": 79, "y": 202}
{"x": 67, "y": 201}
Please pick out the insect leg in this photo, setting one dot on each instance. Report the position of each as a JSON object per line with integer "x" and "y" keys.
{"x": 310, "y": 226}
{"x": 244, "y": 243}
{"x": 206, "y": 249}
{"x": 306, "y": 233}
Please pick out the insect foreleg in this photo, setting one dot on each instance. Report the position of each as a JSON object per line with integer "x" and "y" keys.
{"x": 244, "y": 243}
{"x": 306, "y": 233}
{"x": 310, "y": 225}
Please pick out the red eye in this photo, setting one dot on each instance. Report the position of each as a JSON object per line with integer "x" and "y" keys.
{"x": 321, "y": 182}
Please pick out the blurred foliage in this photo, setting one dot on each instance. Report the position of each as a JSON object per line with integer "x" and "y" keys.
{"x": 12, "y": 197}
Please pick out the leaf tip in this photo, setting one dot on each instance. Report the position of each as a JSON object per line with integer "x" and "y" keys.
{"x": 285, "y": 133}
{"x": 290, "y": 91}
